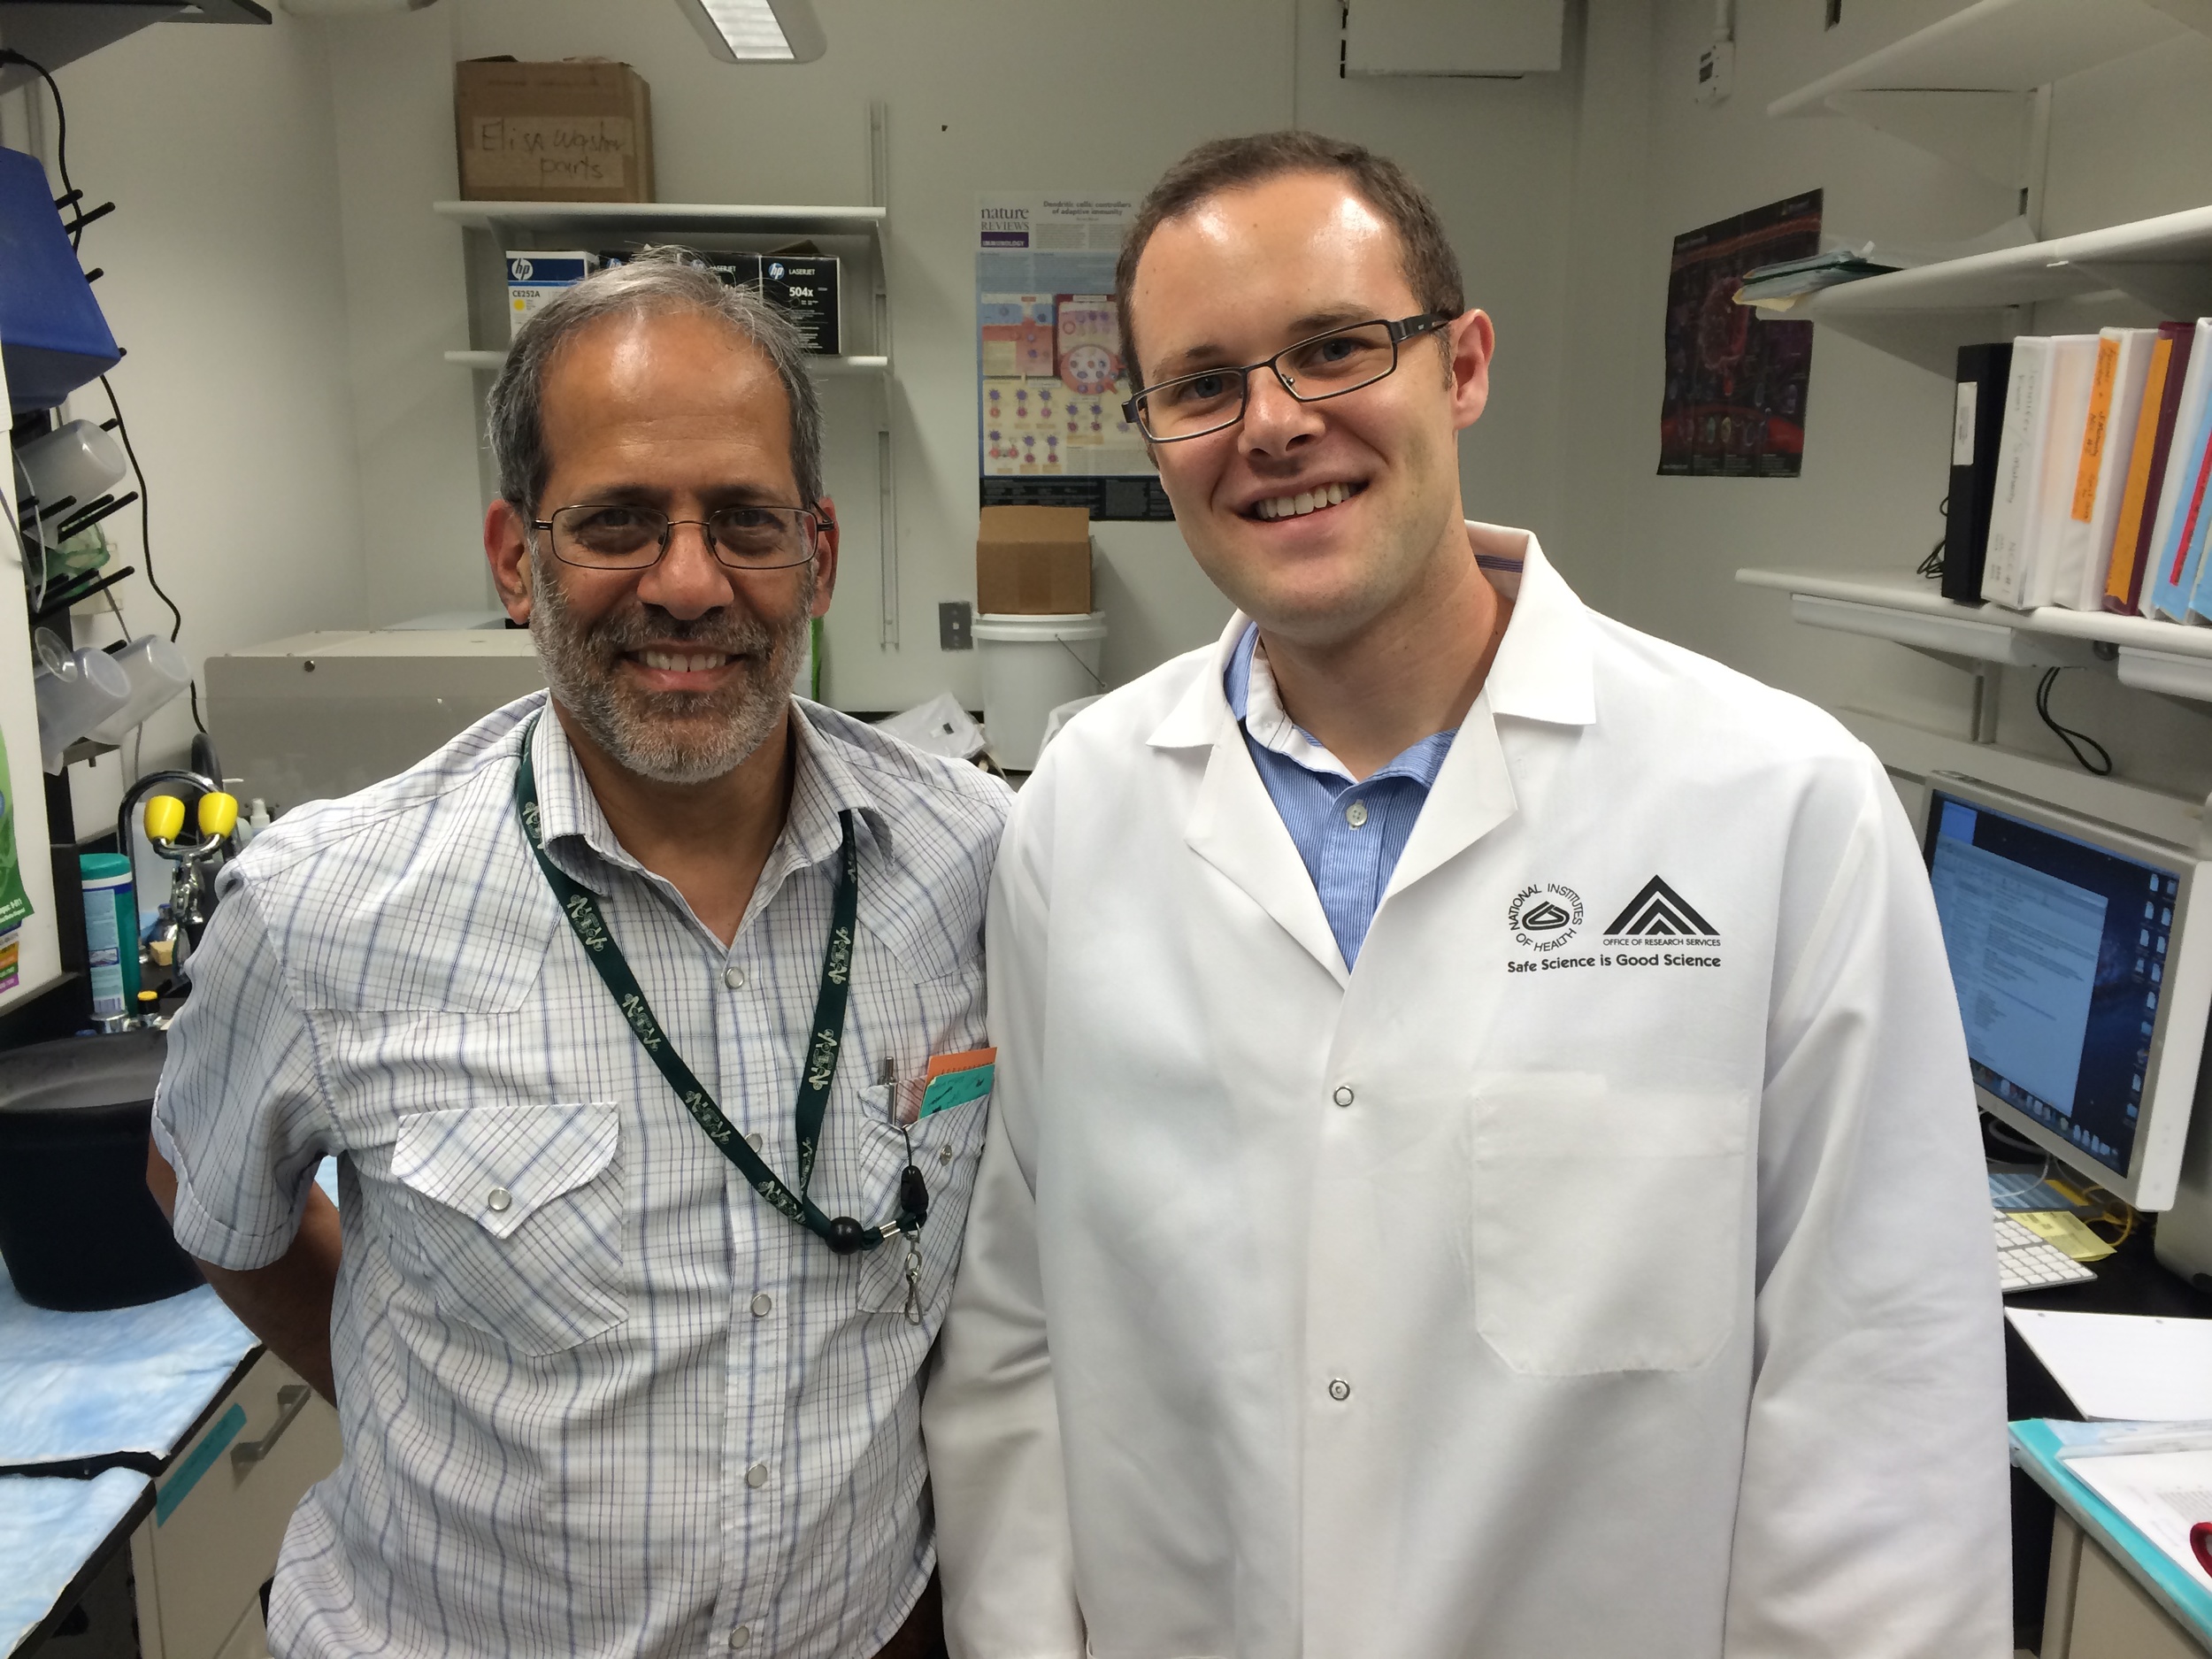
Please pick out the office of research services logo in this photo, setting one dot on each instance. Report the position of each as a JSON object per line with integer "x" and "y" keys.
{"x": 1544, "y": 915}
{"x": 1658, "y": 913}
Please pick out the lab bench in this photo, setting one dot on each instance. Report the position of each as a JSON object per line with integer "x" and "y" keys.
{"x": 2075, "y": 1595}
{"x": 2112, "y": 1594}
{"x": 163, "y": 1432}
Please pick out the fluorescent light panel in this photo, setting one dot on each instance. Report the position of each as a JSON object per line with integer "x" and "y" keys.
{"x": 750, "y": 29}
{"x": 757, "y": 31}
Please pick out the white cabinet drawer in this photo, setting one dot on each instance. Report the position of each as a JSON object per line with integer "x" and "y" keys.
{"x": 221, "y": 1510}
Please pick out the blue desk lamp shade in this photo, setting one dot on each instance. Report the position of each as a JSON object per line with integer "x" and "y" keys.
{"x": 52, "y": 335}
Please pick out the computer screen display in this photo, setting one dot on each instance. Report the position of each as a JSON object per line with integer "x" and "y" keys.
{"x": 2059, "y": 949}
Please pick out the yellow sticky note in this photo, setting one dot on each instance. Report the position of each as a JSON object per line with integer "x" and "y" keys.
{"x": 2067, "y": 1232}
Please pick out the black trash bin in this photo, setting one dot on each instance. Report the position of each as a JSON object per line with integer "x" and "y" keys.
{"x": 77, "y": 1228}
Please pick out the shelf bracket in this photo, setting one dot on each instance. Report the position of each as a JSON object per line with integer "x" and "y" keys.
{"x": 2167, "y": 673}
{"x": 2171, "y": 287}
{"x": 1986, "y": 133}
{"x": 2197, "y": 14}
{"x": 888, "y": 519}
{"x": 1989, "y": 685}
{"x": 1964, "y": 642}
{"x": 1928, "y": 339}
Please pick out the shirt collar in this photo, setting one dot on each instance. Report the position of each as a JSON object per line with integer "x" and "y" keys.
{"x": 579, "y": 839}
{"x": 1542, "y": 670}
{"x": 1255, "y": 699}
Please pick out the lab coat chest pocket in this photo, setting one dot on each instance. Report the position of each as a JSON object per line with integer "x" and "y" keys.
{"x": 514, "y": 1218}
{"x": 1610, "y": 1222}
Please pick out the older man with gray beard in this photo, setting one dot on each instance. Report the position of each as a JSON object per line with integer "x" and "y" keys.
{"x": 645, "y": 1022}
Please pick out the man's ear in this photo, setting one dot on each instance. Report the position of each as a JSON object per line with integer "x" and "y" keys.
{"x": 826, "y": 547}
{"x": 1471, "y": 342}
{"x": 506, "y": 547}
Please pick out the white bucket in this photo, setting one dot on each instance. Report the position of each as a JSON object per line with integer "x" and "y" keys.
{"x": 1031, "y": 666}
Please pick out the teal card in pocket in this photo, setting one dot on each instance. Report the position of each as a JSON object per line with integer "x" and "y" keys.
{"x": 950, "y": 1089}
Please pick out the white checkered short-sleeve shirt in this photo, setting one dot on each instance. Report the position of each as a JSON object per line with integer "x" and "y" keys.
{"x": 596, "y": 1397}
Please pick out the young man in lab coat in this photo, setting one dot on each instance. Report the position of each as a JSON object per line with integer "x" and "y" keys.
{"x": 1484, "y": 1160}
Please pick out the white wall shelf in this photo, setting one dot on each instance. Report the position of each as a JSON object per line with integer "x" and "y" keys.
{"x": 2162, "y": 657}
{"x": 817, "y": 362}
{"x": 1925, "y": 315}
{"x": 1962, "y": 88}
{"x": 545, "y": 218}
{"x": 2002, "y": 46}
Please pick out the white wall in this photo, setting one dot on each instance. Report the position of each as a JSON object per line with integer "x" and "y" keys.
{"x": 286, "y": 292}
{"x": 1008, "y": 94}
{"x": 224, "y": 283}
{"x": 2127, "y": 140}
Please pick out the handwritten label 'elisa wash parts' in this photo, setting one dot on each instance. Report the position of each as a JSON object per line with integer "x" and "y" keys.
{"x": 532, "y": 151}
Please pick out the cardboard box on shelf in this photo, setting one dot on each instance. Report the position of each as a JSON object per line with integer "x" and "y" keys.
{"x": 1033, "y": 561}
{"x": 576, "y": 131}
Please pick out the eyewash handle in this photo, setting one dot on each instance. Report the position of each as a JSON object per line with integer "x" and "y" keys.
{"x": 165, "y": 817}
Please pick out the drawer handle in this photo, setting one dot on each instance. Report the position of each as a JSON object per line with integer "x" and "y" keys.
{"x": 291, "y": 1401}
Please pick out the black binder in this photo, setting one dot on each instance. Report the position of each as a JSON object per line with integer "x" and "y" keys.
{"x": 1977, "y": 422}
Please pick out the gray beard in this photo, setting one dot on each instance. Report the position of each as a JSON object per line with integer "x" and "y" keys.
{"x": 680, "y": 737}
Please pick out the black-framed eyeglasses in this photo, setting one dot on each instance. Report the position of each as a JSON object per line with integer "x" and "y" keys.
{"x": 1327, "y": 366}
{"x": 620, "y": 536}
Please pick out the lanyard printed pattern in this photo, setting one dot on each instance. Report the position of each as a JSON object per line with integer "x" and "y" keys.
{"x": 841, "y": 1233}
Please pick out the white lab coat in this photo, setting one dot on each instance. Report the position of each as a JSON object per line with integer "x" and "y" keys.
{"x": 1477, "y": 1302}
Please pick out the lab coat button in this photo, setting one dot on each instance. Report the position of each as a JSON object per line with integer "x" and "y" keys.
{"x": 757, "y": 1476}
{"x": 1343, "y": 1095}
{"x": 753, "y": 1140}
{"x": 498, "y": 1199}
{"x": 1339, "y": 1389}
{"x": 1355, "y": 814}
{"x": 762, "y": 1304}
{"x": 741, "y": 1639}
{"x": 733, "y": 976}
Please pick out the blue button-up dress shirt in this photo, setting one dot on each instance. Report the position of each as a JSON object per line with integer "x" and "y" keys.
{"x": 1349, "y": 834}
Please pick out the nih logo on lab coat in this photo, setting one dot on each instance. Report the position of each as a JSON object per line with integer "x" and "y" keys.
{"x": 1544, "y": 916}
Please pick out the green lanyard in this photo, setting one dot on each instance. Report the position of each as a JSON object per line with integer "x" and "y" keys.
{"x": 841, "y": 1233}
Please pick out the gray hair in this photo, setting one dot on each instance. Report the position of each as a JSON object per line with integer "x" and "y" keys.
{"x": 657, "y": 281}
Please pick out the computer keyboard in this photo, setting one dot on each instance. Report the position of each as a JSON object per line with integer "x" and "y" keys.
{"x": 2026, "y": 1260}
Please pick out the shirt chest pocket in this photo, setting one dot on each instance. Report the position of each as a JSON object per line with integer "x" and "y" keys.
{"x": 1611, "y": 1223}
{"x": 514, "y": 1218}
{"x": 946, "y": 1147}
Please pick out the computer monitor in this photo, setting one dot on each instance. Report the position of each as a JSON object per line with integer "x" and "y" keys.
{"x": 2083, "y": 973}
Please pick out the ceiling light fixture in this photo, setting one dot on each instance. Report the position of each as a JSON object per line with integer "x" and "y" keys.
{"x": 757, "y": 31}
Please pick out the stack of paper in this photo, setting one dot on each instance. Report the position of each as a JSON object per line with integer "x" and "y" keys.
{"x": 2162, "y": 1483}
{"x": 2124, "y": 1367}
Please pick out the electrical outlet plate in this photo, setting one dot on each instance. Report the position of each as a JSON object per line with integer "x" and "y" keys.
{"x": 1716, "y": 71}
{"x": 956, "y": 625}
